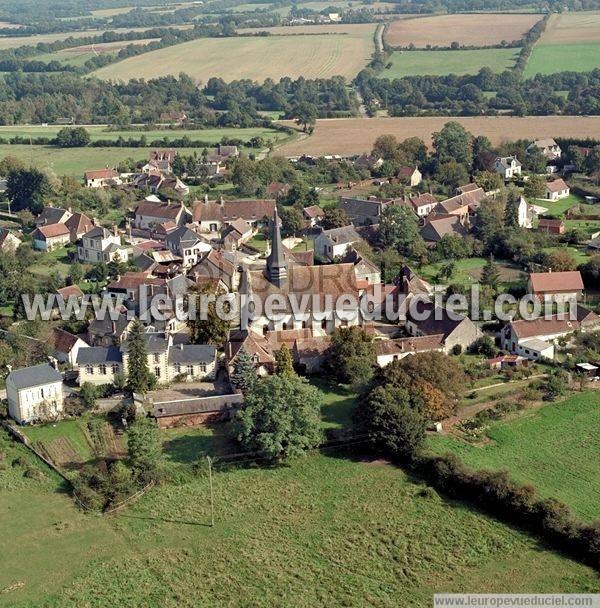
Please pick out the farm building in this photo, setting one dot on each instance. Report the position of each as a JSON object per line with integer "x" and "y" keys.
{"x": 551, "y": 226}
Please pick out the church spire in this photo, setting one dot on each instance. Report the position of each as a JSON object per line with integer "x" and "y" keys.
{"x": 276, "y": 264}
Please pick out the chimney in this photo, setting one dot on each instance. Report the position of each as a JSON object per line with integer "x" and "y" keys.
{"x": 222, "y": 201}
{"x": 9, "y": 368}
{"x": 180, "y": 346}
{"x": 115, "y": 230}
{"x": 69, "y": 209}
{"x": 113, "y": 327}
{"x": 53, "y": 362}
{"x": 206, "y": 199}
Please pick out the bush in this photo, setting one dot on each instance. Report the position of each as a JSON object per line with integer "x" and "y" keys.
{"x": 457, "y": 349}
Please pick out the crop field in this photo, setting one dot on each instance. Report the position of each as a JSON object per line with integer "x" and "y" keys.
{"x": 353, "y": 29}
{"x": 254, "y": 57}
{"x": 78, "y": 55}
{"x": 441, "y": 63}
{"x": 571, "y": 42}
{"x": 554, "y": 448}
{"x": 324, "y": 531}
{"x": 356, "y": 135}
{"x": 468, "y": 30}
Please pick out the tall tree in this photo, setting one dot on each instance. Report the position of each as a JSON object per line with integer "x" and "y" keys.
{"x": 335, "y": 218}
{"x": 244, "y": 375}
{"x": 26, "y": 189}
{"x": 454, "y": 142}
{"x": 511, "y": 215}
{"x": 206, "y": 326}
{"x": 280, "y": 419}
{"x": 399, "y": 228}
{"x": 352, "y": 356}
{"x": 285, "y": 365}
{"x": 490, "y": 275}
{"x": 138, "y": 373}
{"x": 144, "y": 449}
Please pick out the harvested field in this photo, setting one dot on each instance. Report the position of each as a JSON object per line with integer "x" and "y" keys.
{"x": 361, "y": 29}
{"x": 357, "y": 135}
{"x": 568, "y": 28}
{"x": 468, "y": 30}
{"x": 255, "y": 57}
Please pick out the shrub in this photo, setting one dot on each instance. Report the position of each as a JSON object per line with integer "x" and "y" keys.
{"x": 457, "y": 349}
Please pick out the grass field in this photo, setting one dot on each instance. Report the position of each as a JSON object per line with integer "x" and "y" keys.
{"x": 77, "y": 56}
{"x": 571, "y": 42}
{"x": 441, "y": 63}
{"x": 323, "y": 531}
{"x": 555, "y": 448}
{"x": 468, "y": 30}
{"x": 253, "y": 57}
{"x": 468, "y": 271}
{"x": 357, "y": 135}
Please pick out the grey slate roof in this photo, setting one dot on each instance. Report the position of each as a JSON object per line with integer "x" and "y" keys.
{"x": 201, "y": 405}
{"x": 192, "y": 353}
{"x": 345, "y": 234}
{"x": 36, "y": 375}
{"x": 181, "y": 238}
{"x": 99, "y": 354}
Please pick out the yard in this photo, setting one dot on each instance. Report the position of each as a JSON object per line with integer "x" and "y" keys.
{"x": 555, "y": 448}
{"x": 441, "y": 63}
{"x": 327, "y": 530}
{"x": 468, "y": 271}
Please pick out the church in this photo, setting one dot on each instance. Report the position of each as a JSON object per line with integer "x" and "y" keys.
{"x": 318, "y": 298}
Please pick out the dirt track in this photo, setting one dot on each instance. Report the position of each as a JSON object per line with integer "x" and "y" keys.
{"x": 347, "y": 136}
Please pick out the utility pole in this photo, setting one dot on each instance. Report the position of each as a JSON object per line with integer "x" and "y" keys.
{"x": 210, "y": 484}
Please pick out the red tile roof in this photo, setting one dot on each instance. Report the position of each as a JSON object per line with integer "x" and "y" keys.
{"x": 558, "y": 185}
{"x": 52, "y": 230}
{"x": 70, "y": 290}
{"x": 101, "y": 174}
{"x": 556, "y": 282}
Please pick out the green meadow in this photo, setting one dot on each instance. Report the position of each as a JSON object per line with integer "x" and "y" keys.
{"x": 568, "y": 57}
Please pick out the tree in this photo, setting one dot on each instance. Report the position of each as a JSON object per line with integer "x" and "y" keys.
{"x": 206, "y": 326}
{"x": 138, "y": 374}
{"x": 243, "y": 176}
{"x": 280, "y": 419}
{"x": 535, "y": 161}
{"x": 490, "y": 275}
{"x": 352, "y": 356}
{"x": 334, "y": 218}
{"x": 244, "y": 375}
{"x": 561, "y": 260}
{"x": 484, "y": 346}
{"x": 592, "y": 162}
{"x": 88, "y": 394}
{"x": 453, "y": 142}
{"x": 399, "y": 228}
{"x": 393, "y": 420}
{"x": 452, "y": 174}
{"x": 26, "y": 189}
{"x": 144, "y": 448}
{"x": 555, "y": 385}
{"x": 285, "y": 365}
{"x": 72, "y": 137}
{"x": 291, "y": 220}
{"x": 76, "y": 273}
{"x": 386, "y": 147}
{"x": 489, "y": 180}
{"x": 511, "y": 215}
{"x": 305, "y": 114}
{"x": 535, "y": 186}
{"x": 590, "y": 271}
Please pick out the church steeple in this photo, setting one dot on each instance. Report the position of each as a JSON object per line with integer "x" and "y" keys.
{"x": 276, "y": 264}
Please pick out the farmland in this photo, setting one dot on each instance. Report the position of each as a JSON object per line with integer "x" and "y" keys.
{"x": 357, "y": 135}
{"x": 554, "y": 448}
{"x": 441, "y": 63}
{"x": 326, "y": 530}
{"x": 467, "y": 30}
{"x": 253, "y": 57}
{"x": 571, "y": 42}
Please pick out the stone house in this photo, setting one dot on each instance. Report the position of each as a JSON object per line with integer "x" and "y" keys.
{"x": 508, "y": 166}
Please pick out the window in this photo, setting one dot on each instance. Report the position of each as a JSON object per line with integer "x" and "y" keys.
{"x": 115, "y": 369}
{"x": 324, "y": 324}
{"x": 103, "y": 369}
{"x": 190, "y": 370}
{"x": 203, "y": 367}
{"x": 177, "y": 368}
{"x": 156, "y": 358}
{"x": 89, "y": 370}
{"x": 157, "y": 371}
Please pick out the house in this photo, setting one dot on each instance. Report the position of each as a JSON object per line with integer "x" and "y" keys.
{"x": 192, "y": 362}
{"x": 507, "y": 166}
{"x": 277, "y": 189}
{"x": 34, "y": 393}
{"x": 102, "y": 178}
{"x": 410, "y": 175}
{"x": 109, "y": 332}
{"x": 186, "y": 244}
{"x": 159, "y": 183}
{"x": 387, "y": 351}
{"x": 311, "y": 353}
{"x": 102, "y": 245}
{"x": 174, "y": 118}
{"x": 212, "y": 216}
{"x": 256, "y": 345}
{"x": 556, "y": 189}
{"x": 535, "y": 339}
{"x": 47, "y": 238}
{"x": 9, "y": 241}
{"x": 525, "y": 213}
{"x": 422, "y": 205}
{"x": 216, "y": 267}
{"x": 149, "y": 214}
{"x": 363, "y": 212}
{"x": 438, "y": 226}
{"x": 334, "y": 243}
{"x": 99, "y": 365}
{"x": 548, "y": 147}
{"x": 52, "y": 215}
{"x": 236, "y": 234}
{"x": 67, "y": 346}
{"x": 463, "y": 205}
{"x": 78, "y": 224}
{"x": 467, "y": 188}
{"x": 161, "y": 160}
{"x": 313, "y": 215}
{"x": 455, "y": 329}
{"x": 196, "y": 410}
{"x": 552, "y": 226}
{"x": 364, "y": 269}
{"x": 558, "y": 286}
{"x": 214, "y": 160}
{"x": 368, "y": 161}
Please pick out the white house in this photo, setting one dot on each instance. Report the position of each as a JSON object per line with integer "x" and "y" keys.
{"x": 525, "y": 214}
{"x": 47, "y": 238}
{"x": 557, "y": 189}
{"x": 34, "y": 393}
{"x": 102, "y": 178}
{"x": 507, "y": 166}
{"x": 9, "y": 242}
{"x": 548, "y": 147}
{"x": 67, "y": 346}
{"x": 335, "y": 243}
{"x": 101, "y": 245}
{"x": 187, "y": 245}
